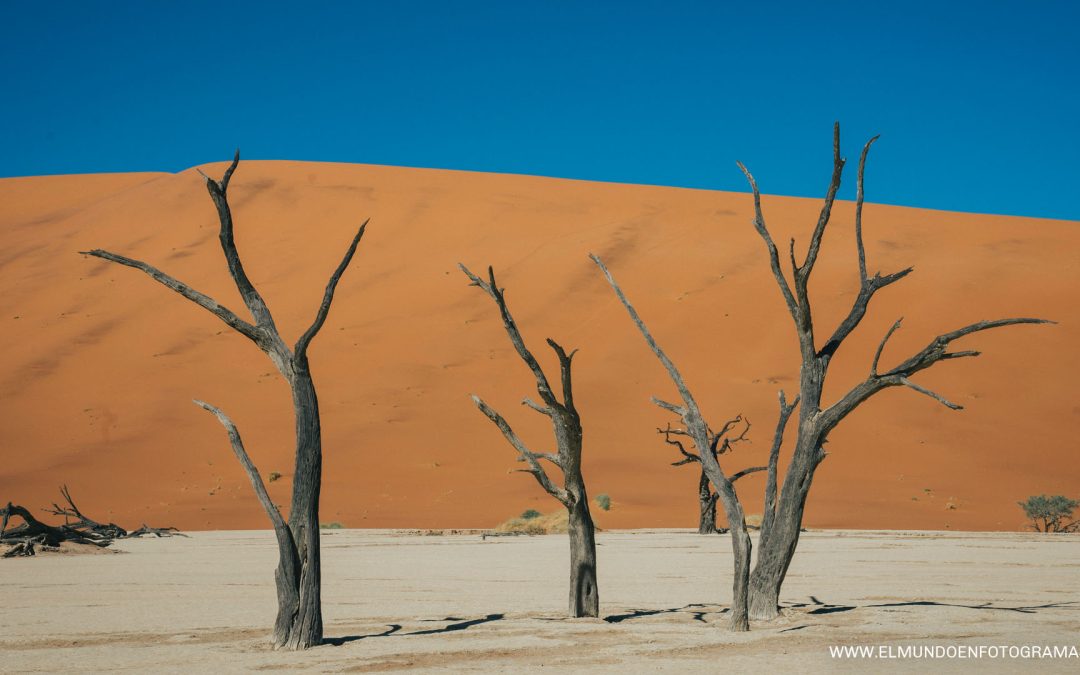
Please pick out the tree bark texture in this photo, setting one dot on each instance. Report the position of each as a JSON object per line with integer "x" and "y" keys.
{"x": 566, "y": 427}
{"x": 784, "y": 510}
{"x": 706, "y": 506}
{"x": 298, "y": 576}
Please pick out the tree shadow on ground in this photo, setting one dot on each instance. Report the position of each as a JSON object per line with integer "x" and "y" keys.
{"x": 395, "y": 629}
{"x": 697, "y": 610}
{"x": 827, "y": 608}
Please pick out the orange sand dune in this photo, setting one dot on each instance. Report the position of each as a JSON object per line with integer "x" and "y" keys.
{"x": 101, "y": 363}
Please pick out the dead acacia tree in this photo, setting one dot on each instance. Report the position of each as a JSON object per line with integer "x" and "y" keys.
{"x": 784, "y": 514}
{"x": 76, "y": 529}
{"x": 299, "y": 619}
{"x": 75, "y": 520}
{"x": 566, "y": 424}
{"x": 707, "y": 496}
{"x": 697, "y": 429}
{"x": 23, "y": 539}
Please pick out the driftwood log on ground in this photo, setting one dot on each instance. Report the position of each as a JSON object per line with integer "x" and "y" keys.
{"x": 32, "y": 534}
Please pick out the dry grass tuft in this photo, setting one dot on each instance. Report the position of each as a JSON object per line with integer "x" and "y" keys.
{"x": 556, "y": 522}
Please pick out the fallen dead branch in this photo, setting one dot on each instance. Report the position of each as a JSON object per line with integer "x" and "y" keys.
{"x": 26, "y": 538}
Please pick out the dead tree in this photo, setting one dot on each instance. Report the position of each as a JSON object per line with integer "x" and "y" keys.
{"x": 74, "y": 519}
{"x": 697, "y": 429}
{"x": 32, "y": 533}
{"x": 707, "y": 496}
{"x": 299, "y": 619}
{"x": 77, "y": 529}
{"x": 566, "y": 424}
{"x": 784, "y": 514}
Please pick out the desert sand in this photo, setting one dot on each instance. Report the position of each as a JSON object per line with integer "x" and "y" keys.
{"x": 395, "y": 601}
{"x": 100, "y": 363}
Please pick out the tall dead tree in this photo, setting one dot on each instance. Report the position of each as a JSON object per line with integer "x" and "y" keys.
{"x": 783, "y": 516}
{"x": 299, "y": 619}
{"x": 697, "y": 429}
{"x": 707, "y": 496}
{"x": 566, "y": 424}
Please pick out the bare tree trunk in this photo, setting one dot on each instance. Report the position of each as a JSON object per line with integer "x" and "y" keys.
{"x": 306, "y": 628}
{"x": 782, "y": 523}
{"x": 706, "y": 506}
{"x": 584, "y": 593}
{"x": 741, "y": 549}
{"x": 777, "y": 544}
{"x": 299, "y": 619}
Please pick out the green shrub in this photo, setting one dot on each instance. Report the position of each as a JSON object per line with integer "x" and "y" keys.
{"x": 332, "y": 526}
{"x": 274, "y": 475}
{"x": 530, "y": 514}
{"x": 1051, "y": 513}
{"x": 604, "y": 502}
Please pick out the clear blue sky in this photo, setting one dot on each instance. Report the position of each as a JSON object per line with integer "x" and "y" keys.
{"x": 978, "y": 103}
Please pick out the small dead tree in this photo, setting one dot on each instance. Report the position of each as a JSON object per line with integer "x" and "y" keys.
{"x": 299, "y": 619}
{"x": 707, "y": 496}
{"x": 76, "y": 529}
{"x": 23, "y": 539}
{"x": 784, "y": 514}
{"x": 566, "y": 424}
{"x": 697, "y": 429}
{"x": 75, "y": 520}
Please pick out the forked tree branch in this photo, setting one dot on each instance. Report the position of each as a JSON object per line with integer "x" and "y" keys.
{"x": 881, "y": 346}
{"x": 746, "y": 472}
{"x": 543, "y": 410}
{"x": 249, "y": 467}
{"x": 859, "y": 195}
{"x": 492, "y": 289}
{"x": 256, "y": 335}
{"x": 565, "y": 363}
{"x": 670, "y": 407}
{"x": 728, "y": 441}
{"x": 774, "y": 255}
{"x": 527, "y": 455}
{"x": 802, "y": 273}
{"x": 254, "y": 301}
{"x": 935, "y": 351}
{"x": 769, "y": 507}
{"x": 688, "y": 457}
{"x": 937, "y": 397}
{"x": 328, "y": 296}
{"x": 867, "y": 286}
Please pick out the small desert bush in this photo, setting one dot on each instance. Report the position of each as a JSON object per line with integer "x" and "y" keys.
{"x": 332, "y": 526}
{"x": 1051, "y": 513}
{"x": 530, "y": 514}
{"x": 274, "y": 475}
{"x": 604, "y": 502}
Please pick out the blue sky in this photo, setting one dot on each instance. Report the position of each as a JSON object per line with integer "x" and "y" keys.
{"x": 978, "y": 103}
